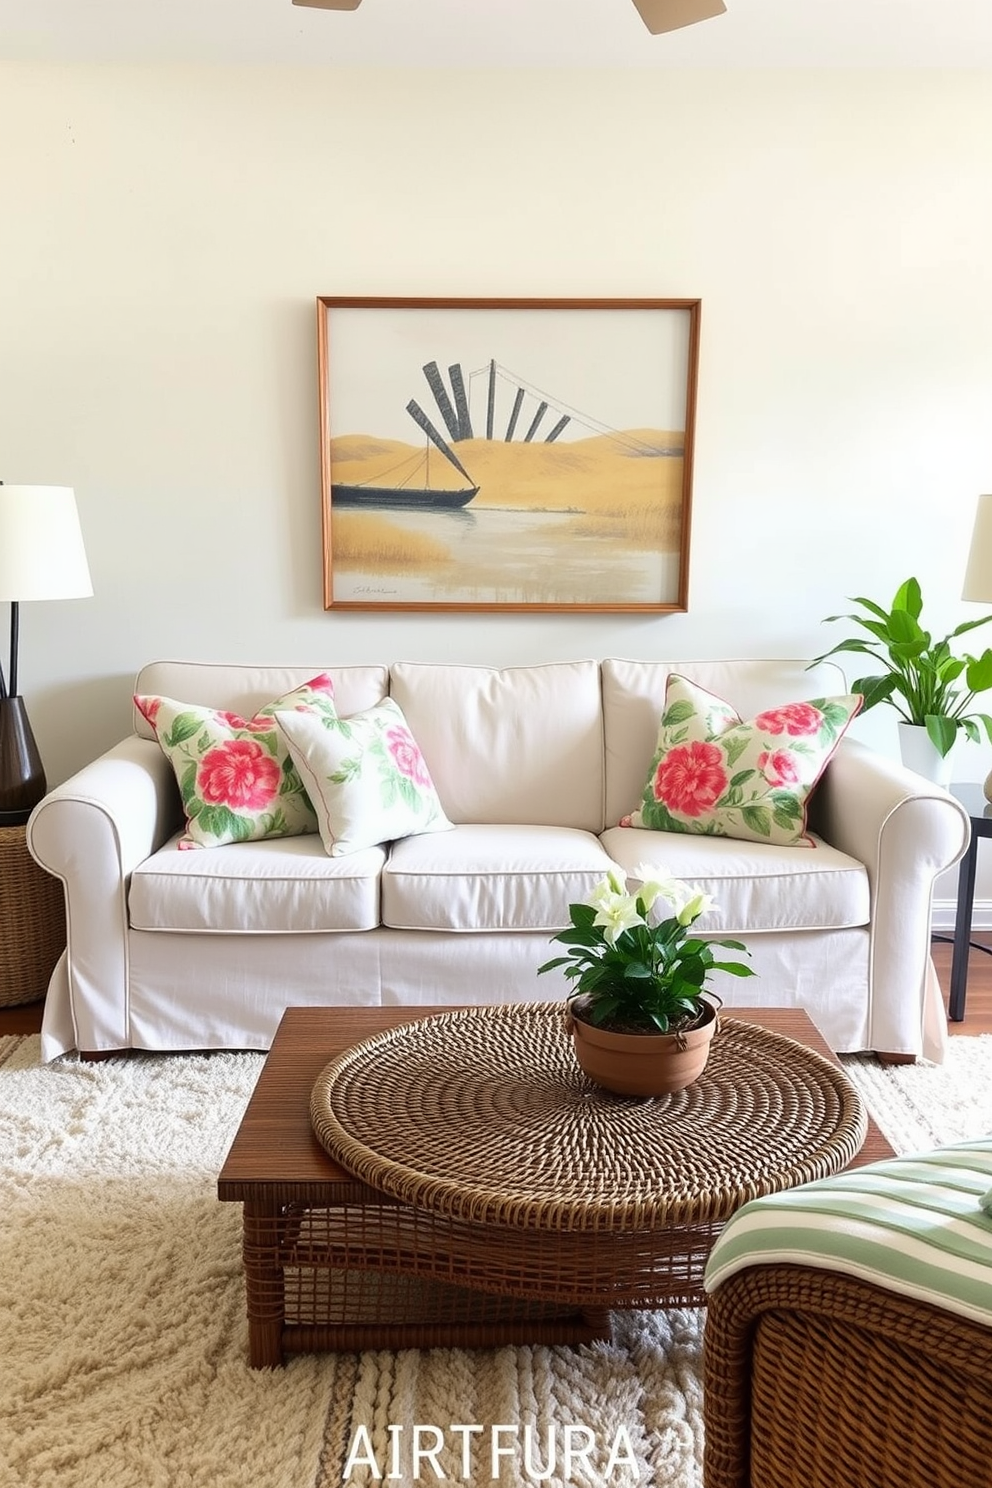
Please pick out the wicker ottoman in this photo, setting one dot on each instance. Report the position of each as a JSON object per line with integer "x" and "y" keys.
{"x": 815, "y": 1380}
{"x": 819, "y": 1378}
{"x": 32, "y": 921}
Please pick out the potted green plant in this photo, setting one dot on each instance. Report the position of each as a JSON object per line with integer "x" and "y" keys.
{"x": 642, "y": 1017}
{"x": 930, "y": 688}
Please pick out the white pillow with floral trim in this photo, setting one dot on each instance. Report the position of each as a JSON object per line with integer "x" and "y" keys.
{"x": 714, "y": 773}
{"x": 236, "y": 778}
{"x": 365, "y": 776}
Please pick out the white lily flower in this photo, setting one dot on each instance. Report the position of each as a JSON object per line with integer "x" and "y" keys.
{"x": 697, "y": 905}
{"x": 657, "y": 883}
{"x": 617, "y": 914}
{"x": 608, "y": 889}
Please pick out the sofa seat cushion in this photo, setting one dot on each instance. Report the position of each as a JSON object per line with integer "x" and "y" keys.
{"x": 281, "y": 886}
{"x": 757, "y": 886}
{"x": 490, "y": 877}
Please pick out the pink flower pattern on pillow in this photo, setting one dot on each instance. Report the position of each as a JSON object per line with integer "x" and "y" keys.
{"x": 236, "y": 779}
{"x": 407, "y": 757}
{"x": 795, "y": 719}
{"x": 259, "y": 725}
{"x": 690, "y": 779}
{"x": 714, "y": 773}
{"x": 778, "y": 767}
{"x": 240, "y": 774}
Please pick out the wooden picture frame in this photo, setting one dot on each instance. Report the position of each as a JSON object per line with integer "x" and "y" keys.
{"x": 556, "y": 436}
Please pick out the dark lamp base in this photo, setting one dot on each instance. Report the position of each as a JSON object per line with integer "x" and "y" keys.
{"x": 22, "y": 778}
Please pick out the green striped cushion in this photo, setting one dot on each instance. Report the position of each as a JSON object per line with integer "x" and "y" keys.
{"x": 914, "y": 1225}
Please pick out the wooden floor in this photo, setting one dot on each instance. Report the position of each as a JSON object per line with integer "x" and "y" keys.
{"x": 978, "y": 1007}
{"x": 978, "y": 1003}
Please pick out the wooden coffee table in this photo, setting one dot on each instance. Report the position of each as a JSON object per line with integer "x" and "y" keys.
{"x": 335, "y": 1263}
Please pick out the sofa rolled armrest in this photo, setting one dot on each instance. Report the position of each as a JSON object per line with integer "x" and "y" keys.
{"x": 91, "y": 832}
{"x": 906, "y": 832}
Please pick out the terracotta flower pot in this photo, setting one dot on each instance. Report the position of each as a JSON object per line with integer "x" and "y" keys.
{"x": 644, "y": 1063}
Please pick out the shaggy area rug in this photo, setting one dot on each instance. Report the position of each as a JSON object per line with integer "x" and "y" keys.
{"x": 122, "y": 1331}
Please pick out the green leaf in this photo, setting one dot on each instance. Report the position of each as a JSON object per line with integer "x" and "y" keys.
{"x": 274, "y": 824}
{"x": 758, "y": 818}
{"x": 909, "y": 597}
{"x": 875, "y": 689}
{"x": 734, "y": 747}
{"x": 868, "y": 604}
{"x": 582, "y": 916}
{"x": 657, "y": 816}
{"x": 578, "y": 937}
{"x": 942, "y": 732}
{"x": 604, "y": 1007}
{"x": 852, "y": 645}
{"x": 291, "y": 784}
{"x": 349, "y": 769}
{"x": 735, "y": 968}
{"x": 979, "y": 674}
{"x": 679, "y": 712}
{"x": 408, "y": 791}
{"x": 184, "y": 726}
{"x": 221, "y": 821}
{"x": 787, "y": 804}
{"x": 187, "y": 785}
{"x": 835, "y": 715}
{"x": 970, "y": 625}
{"x": 905, "y": 630}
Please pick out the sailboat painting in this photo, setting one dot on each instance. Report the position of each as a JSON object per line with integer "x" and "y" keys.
{"x": 506, "y": 454}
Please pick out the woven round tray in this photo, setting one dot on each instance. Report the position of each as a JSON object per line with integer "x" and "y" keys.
{"x": 484, "y": 1115}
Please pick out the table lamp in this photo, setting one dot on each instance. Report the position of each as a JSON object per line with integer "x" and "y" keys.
{"x": 41, "y": 557}
{"x": 978, "y": 574}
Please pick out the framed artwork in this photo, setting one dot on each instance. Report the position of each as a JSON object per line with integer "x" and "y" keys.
{"x": 506, "y": 454}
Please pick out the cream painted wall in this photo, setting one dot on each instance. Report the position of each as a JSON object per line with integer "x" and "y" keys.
{"x": 166, "y": 232}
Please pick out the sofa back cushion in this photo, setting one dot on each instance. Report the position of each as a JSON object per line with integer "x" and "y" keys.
{"x": 517, "y": 745}
{"x": 634, "y": 698}
{"x": 246, "y": 689}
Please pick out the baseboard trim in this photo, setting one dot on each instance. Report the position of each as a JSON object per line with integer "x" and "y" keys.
{"x": 944, "y": 911}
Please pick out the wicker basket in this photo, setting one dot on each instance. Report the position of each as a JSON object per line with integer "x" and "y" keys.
{"x": 814, "y": 1379}
{"x": 32, "y": 921}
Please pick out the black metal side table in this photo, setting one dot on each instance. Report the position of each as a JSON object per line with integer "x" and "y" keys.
{"x": 972, "y": 798}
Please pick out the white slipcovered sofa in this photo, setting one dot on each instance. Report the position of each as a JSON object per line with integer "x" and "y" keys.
{"x": 534, "y": 765}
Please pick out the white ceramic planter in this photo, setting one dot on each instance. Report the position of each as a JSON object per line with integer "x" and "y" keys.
{"x": 920, "y": 754}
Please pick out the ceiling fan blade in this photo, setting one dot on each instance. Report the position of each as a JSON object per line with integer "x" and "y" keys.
{"x": 330, "y": 4}
{"x": 669, "y": 15}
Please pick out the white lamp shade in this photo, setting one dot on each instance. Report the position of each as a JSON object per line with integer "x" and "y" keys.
{"x": 41, "y": 545}
{"x": 978, "y": 575}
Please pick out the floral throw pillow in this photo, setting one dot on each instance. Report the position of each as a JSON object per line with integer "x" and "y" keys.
{"x": 365, "y": 775}
{"x": 714, "y": 773}
{"x": 237, "y": 779}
